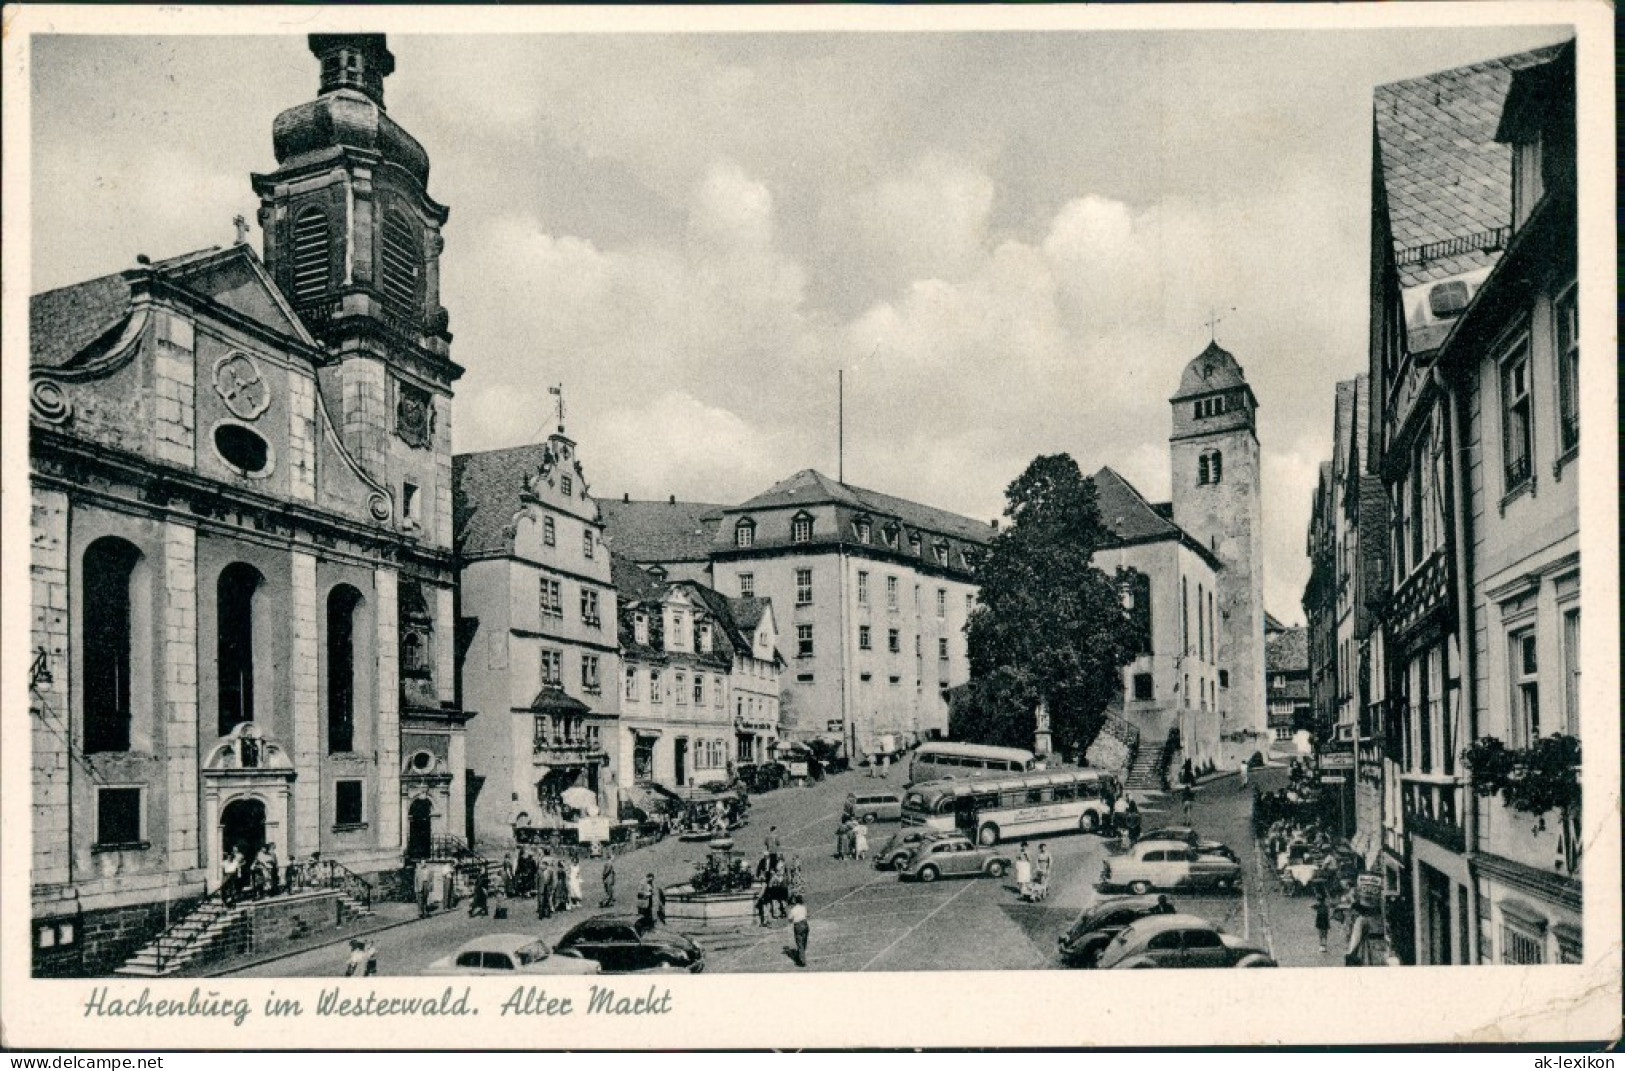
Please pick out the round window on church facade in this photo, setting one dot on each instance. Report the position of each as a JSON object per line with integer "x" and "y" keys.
{"x": 243, "y": 449}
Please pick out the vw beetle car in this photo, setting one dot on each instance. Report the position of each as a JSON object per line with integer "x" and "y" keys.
{"x": 1180, "y": 941}
{"x": 508, "y": 954}
{"x": 952, "y": 857}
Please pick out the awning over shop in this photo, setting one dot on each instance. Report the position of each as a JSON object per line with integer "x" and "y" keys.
{"x": 557, "y": 701}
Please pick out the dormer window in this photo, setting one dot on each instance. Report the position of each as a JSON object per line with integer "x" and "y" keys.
{"x": 1528, "y": 180}
{"x": 914, "y": 543}
{"x": 745, "y": 533}
{"x": 940, "y": 550}
{"x": 801, "y": 528}
{"x": 864, "y": 530}
{"x": 705, "y": 638}
{"x": 889, "y": 535}
{"x": 640, "y": 628}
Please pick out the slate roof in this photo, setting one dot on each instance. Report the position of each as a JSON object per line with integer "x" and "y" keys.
{"x": 1272, "y": 623}
{"x": 747, "y": 613}
{"x": 632, "y": 583}
{"x": 1445, "y": 177}
{"x": 485, "y": 495}
{"x": 1287, "y": 651}
{"x": 1214, "y": 369}
{"x": 656, "y": 531}
{"x": 809, "y": 486}
{"x": 1131, "y": 519}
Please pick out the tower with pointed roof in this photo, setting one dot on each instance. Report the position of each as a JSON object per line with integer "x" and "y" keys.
{"x": 1217, "y": 498}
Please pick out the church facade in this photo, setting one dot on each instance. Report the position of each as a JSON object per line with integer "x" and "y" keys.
{"x": 241, "y": 542}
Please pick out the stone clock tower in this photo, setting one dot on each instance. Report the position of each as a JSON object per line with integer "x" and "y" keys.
{"x": 1217, "y": 498}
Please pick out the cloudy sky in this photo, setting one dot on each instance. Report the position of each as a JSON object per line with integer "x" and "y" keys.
{"x": 1011, "y": 241}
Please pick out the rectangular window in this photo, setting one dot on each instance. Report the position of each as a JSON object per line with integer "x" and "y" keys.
{"x": 1142, "y": 686}
{"x": 970, "y": 603}
{"x": 589, "y": 607}
{"x": 656, "y": 692}
{"x": 942, "y": 648}
{"x": 747, "y": 585}
{"x": 552, "y": 668}
{"x": 1521, "y": 947}
{"x": 631, "y": 684}
{"x": 549, "y": 534}
{"x": 803, "y": 587}
{"x": 586, "y": 543}
{"x": 118, "y": 817}
{"x": 865, "y": 532}
{"x": 589, "y": 674}
{"x": 551, "y": 598}
{"x": 863, "y": 638}
{"x": 347, "y": 800}
{"x": 679, "y": 688}
{"x": 1567, "y": 313}
{"x": 744, "y": 534}
{"x": 863, "y": 588}
{"x": 801, "y": 530}
{"x": 699, "y": 689}
{"x": 565, "y": 486}
{"x": 1571, "y": 671}
{"x": 1517, "y": 427}
{"x": 894, "y": 641}
{"x": 1525, "y": 677}
{"x": 804, "y": 641}
{"x": 942, "y": 602}
{"x": 891, "y": 593}
{"x": 411, "y": 502}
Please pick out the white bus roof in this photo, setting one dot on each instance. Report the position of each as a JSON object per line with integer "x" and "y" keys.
{"x": 984, "y": 785}
{"x": 974, "y": 751}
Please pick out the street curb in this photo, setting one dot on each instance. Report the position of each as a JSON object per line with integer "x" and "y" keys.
{"x": 290, "y": 953}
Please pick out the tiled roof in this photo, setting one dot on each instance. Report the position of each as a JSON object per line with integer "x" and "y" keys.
{"x": 1126, "y": 513}
{"x": 1272, "y": 623}
{"x": 1213, "y": 369}
{"x": 748, "y": 612}
{"x": 61, "y": 323}
{"x": 1447, "y": 181}
{"x": 809, "y": 487}
{"x": 660, "y": 531}
{"x": 632, "y": 584}
{"x": 1287, "y": 651}
{"x": 485, "y": 495}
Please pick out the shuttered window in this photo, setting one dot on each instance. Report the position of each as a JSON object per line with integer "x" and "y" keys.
{"x": 400, "y": 262}
{"x": 310, "y": 255}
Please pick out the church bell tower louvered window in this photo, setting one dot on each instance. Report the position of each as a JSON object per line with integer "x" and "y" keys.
{"x": 311, "y": 238}
{"x": 399, "y": 264}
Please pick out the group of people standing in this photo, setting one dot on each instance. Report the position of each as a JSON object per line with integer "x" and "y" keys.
{"x": 257, "y": 877}
{"x": 851, "y": 839}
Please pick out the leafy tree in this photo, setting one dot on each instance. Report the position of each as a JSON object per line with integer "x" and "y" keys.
{"x": 1049, "y": 627}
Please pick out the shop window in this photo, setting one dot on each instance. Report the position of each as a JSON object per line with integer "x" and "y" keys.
{"x": 108, "y": 631}
{"x": 347, "y": 804}
{"x": 119, "y": 818}
{"x": 341, "y": 606}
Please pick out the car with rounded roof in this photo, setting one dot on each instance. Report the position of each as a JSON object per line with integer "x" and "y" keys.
{"x": 507, "y": 954}
{"x": 1187, "y": 835}
{"x": 892, "y": 854}
{"x": 953, "y": 857}
{"x": 1180, "y": 941}
{"x": 1167, "y": 864}
{"x": 623, "y": 944}
{"x": 1103, "y": 920}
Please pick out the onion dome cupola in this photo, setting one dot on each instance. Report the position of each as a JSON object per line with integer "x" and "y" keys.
{"x": 351, "y": 234}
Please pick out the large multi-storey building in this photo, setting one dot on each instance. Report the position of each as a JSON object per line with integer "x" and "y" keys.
{"x": 1471, "y": 286}
{"x": 872, "y": 593}
{"x": 243, "y": 589}
{"x": 541, "y": 654}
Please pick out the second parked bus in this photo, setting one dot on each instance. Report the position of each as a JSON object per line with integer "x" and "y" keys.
{"x": 945, "y": 760}
{"x": 1007, "y": 808}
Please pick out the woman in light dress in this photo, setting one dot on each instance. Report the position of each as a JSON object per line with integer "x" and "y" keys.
{"x": 574, "y": 882}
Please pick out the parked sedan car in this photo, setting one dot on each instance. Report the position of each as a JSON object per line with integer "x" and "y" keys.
{"x": 620, "y": 945}
{"x": 952, "y": 857}
{"x": 1082, "y": 945}
{"x": 1187, "y": 835}
{"x": 1165, "y": 864}
{"x": 900, "y": 845}
{"x": 1180, "y": 941}
{"x": 510, "y": 954}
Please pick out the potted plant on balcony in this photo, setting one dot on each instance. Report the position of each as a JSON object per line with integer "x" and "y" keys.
{"x": 1535, "y": 780}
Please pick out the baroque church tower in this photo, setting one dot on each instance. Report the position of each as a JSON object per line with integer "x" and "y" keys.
{"x": 1217, "y": 498}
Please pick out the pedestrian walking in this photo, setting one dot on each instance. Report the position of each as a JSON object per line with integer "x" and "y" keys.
{"x": 646, "y": 902}
{"x": 1354, "y": 955}
{"x": 544, "y": 890}
{"x": 885, "y": 767}
{"x": 1187, "y": 800}
{"x": 573, "y": 879}
{"x": 1323, "y": 921}
{"x": 1024, "y": 872}
{"x": 609, "y": 879}
{"x": 423, "y": 880}
{"x": 507, "y": 873}
{"x": 1043, "y": 865}
{"x": 799, "y": 927}
{"x": 1245, "y": 768}
{"x": 860, "y": 841}
{"x": 358, "y": 959}
{"x": 479, "y": 902}
{"x": 231, "y": 872}
{"x": 561, "y": 886}
{"x": 840, "y": 840}
{"x": 774, "y": 845}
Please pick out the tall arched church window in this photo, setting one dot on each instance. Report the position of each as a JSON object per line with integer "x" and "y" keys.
{"x": 109, "y": 569}
{"x": 310, "y": 255}
{"x": 399, "y": 262}
{"x": 234, "y": 625}
{"x": 341, "y": 607}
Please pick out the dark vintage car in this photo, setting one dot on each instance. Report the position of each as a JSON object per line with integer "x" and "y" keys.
{"x": 1168, "y": 864}
{"x": 1189, "y": 836}
{"x": 900, "y": 845}
{"x": 1179, "y": 941}
{"x": 1081, "y": 945}
{"x": 621, "y": 945}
